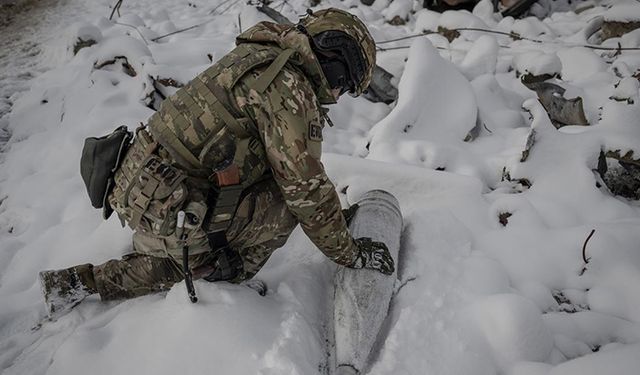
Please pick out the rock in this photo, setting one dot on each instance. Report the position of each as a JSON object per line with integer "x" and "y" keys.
{"x": 381, "y": 89}
{"x": 122, "y": 62}
{"x": 626, "y": 90}
{"x": 449, "y": 34}
{"x": 620, "y": 173}
{"x": 397, "y": 21}
{"x": 516, "y": 9}
{"x": 531, "y": 140}
{"x": 537, "y": 66}
{"x": 274, "y": 14}
{"x": 83, "y": 35}
{"x": 503, "y": 218}
{"x": 530, "y": 78}
{"x": 615, "y": 29}
{"x": 81, "y": 43}
{"x": 561, "y": 111}
{"x": 444, "y": 5}
{"x": 513, "y": 185}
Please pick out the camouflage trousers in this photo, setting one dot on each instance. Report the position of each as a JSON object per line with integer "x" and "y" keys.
{"x": 261, "y": 225}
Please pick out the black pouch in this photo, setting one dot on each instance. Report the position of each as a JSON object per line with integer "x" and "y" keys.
{"x": 100, "y": 159}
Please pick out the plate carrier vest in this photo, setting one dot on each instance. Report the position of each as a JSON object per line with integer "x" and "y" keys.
{"x": 207, "y": 143}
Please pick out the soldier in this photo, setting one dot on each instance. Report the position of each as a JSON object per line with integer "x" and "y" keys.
{"x": 229, "y": 165}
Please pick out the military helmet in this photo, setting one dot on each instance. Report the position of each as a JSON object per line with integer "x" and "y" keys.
{"x": 326, "y": 29}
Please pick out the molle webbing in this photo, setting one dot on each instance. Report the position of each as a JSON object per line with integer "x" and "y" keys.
{"x": 189, "y": 122}
{"x": 201, "y": 128}
{"x": 129, "y": 171}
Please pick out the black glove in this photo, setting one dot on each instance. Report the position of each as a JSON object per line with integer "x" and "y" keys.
{"x": 350, "y": 212}
{"x": 373, "y": 255}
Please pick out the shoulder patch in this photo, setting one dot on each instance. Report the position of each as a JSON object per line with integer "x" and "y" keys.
{"x": 315, "y": 132}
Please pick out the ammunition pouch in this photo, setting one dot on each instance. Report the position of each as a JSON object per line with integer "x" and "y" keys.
{"x": 223, "y": 198}
{"x": 100, "y": 159}
{"x": 155, "y": 197}
{"x": 150, "y": 192}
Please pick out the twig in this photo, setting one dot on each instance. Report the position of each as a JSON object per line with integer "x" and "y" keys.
{"x": 382, "y": 49}
{"x": 584, "y": 253}
{"x": 218, "y": 6}
{"x": 177, "y": 31}
{"x": 584, "y": 247}
{"x": 116, "y": 8}
{"x": 136, "y": 29}
{"x": 406, "y": 37}
{"x": 230, "y": 6}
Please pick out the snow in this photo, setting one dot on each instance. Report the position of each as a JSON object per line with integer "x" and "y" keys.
{"x": 513, "y": 329}
{"x": 622, "y": 361}
{"x": 538, "y": 63}
{"x": 478, "y": 291}
{"x": 580, "y": 62}
{"x": 428, "y": 87}
{"x": 625, "y": 11}
{"x": 481, "y": 58}
{"x": 397, "y": 8}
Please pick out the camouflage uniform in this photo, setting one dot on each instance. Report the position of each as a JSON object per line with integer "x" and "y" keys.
{"x": 283, "y": 180}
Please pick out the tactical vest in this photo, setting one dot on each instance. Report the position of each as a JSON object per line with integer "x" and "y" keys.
{"x": 200, "y": 126}
{"x": 205, "y": 142}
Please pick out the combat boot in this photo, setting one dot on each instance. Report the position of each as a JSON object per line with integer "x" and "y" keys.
{"x": 64, "y": 289}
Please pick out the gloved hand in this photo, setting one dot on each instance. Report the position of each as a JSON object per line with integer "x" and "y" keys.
{"x": 373, "y": 255}
{"x": 350, "y": 212}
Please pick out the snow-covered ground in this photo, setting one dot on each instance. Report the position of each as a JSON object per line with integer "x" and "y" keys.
{"x": 30, "y": 29}
{"x": 480, "y": 292}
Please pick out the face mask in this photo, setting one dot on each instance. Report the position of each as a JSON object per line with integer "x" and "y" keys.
{"x": 336, "y": 73}
{"x": 341, "y": 59}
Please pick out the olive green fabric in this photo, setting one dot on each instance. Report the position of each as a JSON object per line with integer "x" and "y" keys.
{"x": 281, "y": 124}
{"x": 262, "y": 225}
{"x": 288, "y": 37}
{"x": 257, "y": 109}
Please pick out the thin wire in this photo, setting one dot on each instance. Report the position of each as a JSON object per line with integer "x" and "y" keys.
{"x": 178, "y": 31}
{"x": 407, "y": 47}
{"x": 406, "y": 37}
{"x": 218, "y": 6}
{"x": 136, "y": 29}
{"x": 199, "y": 24}
{"x": 515, "y": 36}
{"x": 229, "y": 7}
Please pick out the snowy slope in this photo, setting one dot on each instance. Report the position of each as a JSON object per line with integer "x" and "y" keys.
{"x": 474, "y": 297}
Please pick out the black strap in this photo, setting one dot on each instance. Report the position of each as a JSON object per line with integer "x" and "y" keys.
{"x": 217, "y": 240}
{"x": 227, "y": 264}
{"x": 187, "y": 274}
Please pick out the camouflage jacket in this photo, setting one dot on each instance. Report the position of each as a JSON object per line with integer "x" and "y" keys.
{"x": 285, "y": 124}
